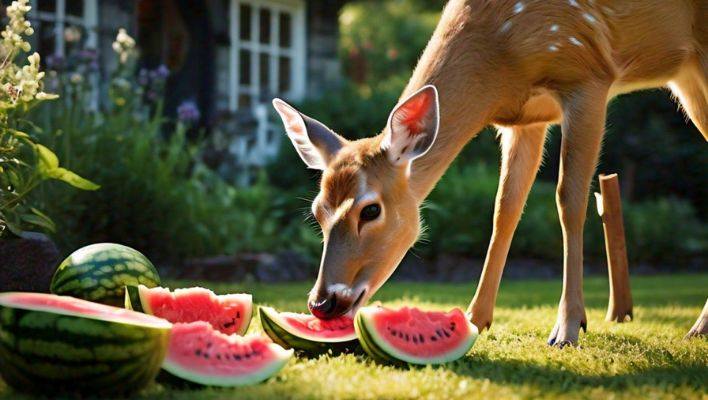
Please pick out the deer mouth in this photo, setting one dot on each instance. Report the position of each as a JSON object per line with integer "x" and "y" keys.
{"x": 360, "y": 300}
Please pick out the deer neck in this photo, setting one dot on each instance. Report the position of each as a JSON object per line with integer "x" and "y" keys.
{"x": 464, "y": 75}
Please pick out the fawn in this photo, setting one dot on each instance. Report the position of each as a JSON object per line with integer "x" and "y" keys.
{"x": 519, "y": 65}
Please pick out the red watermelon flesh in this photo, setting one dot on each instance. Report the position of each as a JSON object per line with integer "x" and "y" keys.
{"x": 199, "y": 353}
{"x": 324, "y": 329}
{"x": 416, "y": 336}
{"x": 229, "y": 313}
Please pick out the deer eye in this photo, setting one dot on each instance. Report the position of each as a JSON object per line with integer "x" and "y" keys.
{"x": 370, "y": 212}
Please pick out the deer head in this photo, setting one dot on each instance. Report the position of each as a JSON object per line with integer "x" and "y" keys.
{"x": 368, "y": 214}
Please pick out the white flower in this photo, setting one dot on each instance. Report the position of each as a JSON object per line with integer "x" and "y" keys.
{"x": 124, "y": 46}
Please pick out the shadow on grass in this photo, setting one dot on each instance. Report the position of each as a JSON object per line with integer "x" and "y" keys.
{"x": 556, "y": 378}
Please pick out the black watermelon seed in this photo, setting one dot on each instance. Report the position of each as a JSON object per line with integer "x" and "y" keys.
{"x": 407, "y": 338}
{"x": 206, "y": 356}
{"x": 237, "y": 357}
{"x": 438, "y": 332}
{"x": 198, "y": 352}
{"x": 434, "y": 338}
{"x": 218, "y": 356}
{"x": 452, "y": 328}
{"x": 209, "y": 344}
{"x": 421, "y": 338}
{"x": 447, "y": 334}
{"x": 238, "y": 314}
{"x": 393, "y": 331}
{"x": 229, "y": 324}
{"x": 415, "y": 340}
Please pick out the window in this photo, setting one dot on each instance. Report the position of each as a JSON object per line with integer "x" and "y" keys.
{"x": 62, "y": 25}
{"x": 266, "y": 56}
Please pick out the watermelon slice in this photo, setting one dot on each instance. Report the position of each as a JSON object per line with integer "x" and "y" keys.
{"x": 58, "y": 344}
{"x": 308, "y": 333}
{"x": 200, "y": 354}
{"x": 229, "y": 313}
{"x": 414, "y": 336}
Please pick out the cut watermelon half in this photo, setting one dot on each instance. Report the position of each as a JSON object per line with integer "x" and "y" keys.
{"x": 308, "y": 333}
{"x": 229, "y": 313}
{"x": 414, "y": 336}
{"x": 198, "y": 353}
{"x": 63, "y": 345}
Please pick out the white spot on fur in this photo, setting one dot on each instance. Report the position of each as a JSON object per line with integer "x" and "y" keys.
{"x": 573, "y": 40}
{"x": 340, "y": 289}
{"x": 519, "y": 7}
{"x": 608, "y": 10}
{"x": 505, "y": 27}
{"x": 590, "y": 18}
{"x": 573, "y": 3}
{"x": 553, "y": 28}
{"x": 553, "y": 48}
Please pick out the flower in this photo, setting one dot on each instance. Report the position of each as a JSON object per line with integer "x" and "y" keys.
{"x": 188, "y": 112}
{"x": 76, "y": 78}
{"x": 124, "y": 46}
{"x": 16, "y": 27}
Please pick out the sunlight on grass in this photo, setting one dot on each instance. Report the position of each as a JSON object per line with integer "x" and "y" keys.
{"x": 643, "y": 359}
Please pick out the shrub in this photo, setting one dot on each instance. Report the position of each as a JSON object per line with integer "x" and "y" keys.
{"x": 156, "y": 193}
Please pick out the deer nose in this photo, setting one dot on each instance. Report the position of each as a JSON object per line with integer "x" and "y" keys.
{"x": 323, "y": 307}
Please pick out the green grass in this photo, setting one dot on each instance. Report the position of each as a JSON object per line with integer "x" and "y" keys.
{"x": 646, "y": 358}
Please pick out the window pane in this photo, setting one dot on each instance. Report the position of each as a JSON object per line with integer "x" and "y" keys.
{"x": 284, "y": 74}
{"x": 265, "y": 25}
{"x": 286, "y": 33}
{"x": 244, "y": 100}
{"x": 46, "y": 5}
{"x": 245, "y": 67}
{"x": 75, "y": 7}
{"x": 265, "y": 71}
{"x": 245, "y": 22}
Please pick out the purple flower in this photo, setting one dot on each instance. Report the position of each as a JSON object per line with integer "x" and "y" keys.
{"x": 143, "y": 78}
{"x": 188, "y": 112}
{"x": 55, "y": 61}
{"x": 162, "y": 72}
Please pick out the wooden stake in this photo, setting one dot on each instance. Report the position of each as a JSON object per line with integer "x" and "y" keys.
{"x": 609, "y": 207}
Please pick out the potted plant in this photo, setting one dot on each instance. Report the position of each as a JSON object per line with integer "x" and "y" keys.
{"x": 27, "y": 259}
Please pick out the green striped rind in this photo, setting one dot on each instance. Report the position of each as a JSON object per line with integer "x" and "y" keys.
{"x": 370, "y": 346}
{"x": 100, "y": 272}
{"x": 290, "y": 340}
{"x": 132, "y": 299}
{"x": 380, "y": 349}
{"x": 45, "y": 352}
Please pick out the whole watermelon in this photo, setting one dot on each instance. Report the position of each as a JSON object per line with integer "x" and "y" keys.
{"x": 101, "y": 271}
{"x": 62, "y": 345}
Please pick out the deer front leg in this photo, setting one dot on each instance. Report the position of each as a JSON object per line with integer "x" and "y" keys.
{"x": 583, "y": 126}
{"x": 522, "y": 149}
{"x": 700, "y": 328}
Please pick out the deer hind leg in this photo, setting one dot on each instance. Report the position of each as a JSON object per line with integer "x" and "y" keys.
{"x": 522, "y": 150}
{"x": 690, "y": 86}
{"x": 583, "y": 126}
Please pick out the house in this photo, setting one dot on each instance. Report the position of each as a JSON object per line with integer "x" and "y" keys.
{"x": 230, "y": 57}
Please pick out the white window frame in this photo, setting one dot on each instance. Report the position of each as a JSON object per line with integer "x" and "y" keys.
{"x": 89, "y": 20}
{"x": 296, "y": 52}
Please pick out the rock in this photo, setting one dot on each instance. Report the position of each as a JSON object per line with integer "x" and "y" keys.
{"x": 27, "y": 263}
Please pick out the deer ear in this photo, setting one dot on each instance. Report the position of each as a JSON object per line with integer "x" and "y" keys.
{"x": 315, "y": 143}
{"x": 412, "y": 126}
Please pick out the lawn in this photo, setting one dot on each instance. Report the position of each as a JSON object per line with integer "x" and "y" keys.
{"x": 646, "y": 358}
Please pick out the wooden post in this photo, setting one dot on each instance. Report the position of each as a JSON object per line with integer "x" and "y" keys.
{"x": 609, "y": 207}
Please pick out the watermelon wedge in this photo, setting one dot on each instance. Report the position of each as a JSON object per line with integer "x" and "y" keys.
{"x": 200, "y": 354}
{"x": 53, "y": 344}
{"x": 229, "y": 313}
{"x": 414, "y": 336}
{"x": 308, "y": 333}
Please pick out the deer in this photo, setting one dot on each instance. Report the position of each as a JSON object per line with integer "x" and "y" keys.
{"x": 519, "y": 66}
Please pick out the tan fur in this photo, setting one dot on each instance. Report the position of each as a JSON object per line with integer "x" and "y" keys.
{"x": 521, "y": 65}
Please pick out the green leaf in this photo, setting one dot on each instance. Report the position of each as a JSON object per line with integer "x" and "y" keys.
{"x": 72, "y": 179}
{"x": 48, "y": 161}
{"x": 40, "y": 220}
